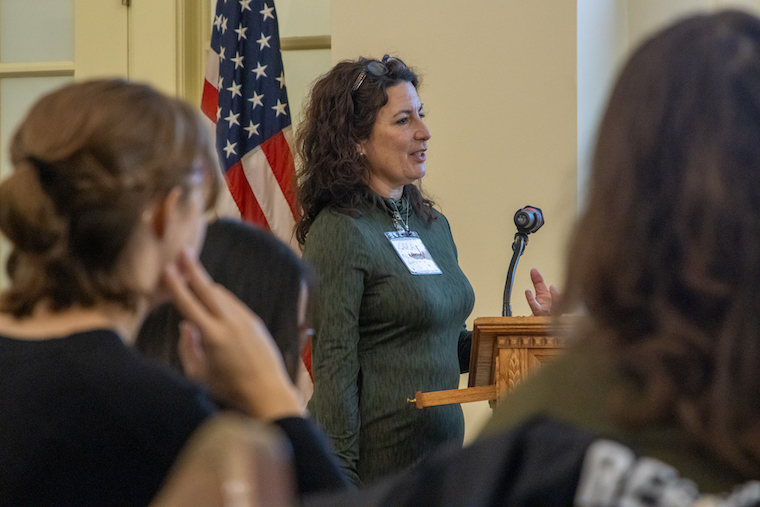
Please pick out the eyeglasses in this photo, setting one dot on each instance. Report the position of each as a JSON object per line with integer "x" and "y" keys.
{"x": 377, "y": 69}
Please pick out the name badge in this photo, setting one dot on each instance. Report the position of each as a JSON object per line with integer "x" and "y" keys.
{"x": 413, "y": 253}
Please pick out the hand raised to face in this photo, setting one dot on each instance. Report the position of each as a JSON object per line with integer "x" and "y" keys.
{"x": 227, "y": 347}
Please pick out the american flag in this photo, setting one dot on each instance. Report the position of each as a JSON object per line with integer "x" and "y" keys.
{"x": 244, "y": 95}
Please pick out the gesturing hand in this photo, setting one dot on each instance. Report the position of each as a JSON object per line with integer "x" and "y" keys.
{"x": 546, "y": 301}
{"x": 226, "y": 346}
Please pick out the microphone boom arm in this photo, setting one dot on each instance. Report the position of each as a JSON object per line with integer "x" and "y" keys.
{"x": 528, "y": 219}
{"x": 518, "y": 247}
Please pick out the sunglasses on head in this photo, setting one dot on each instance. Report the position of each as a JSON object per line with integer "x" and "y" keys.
{"x": 377, "y": 68}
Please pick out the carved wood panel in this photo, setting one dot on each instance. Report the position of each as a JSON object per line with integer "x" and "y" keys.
{"x": 506, "y": 350}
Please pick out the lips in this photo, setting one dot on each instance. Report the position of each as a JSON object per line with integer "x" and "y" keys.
{"x": 419, "y": 155}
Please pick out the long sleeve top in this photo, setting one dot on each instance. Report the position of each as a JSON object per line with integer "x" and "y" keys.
{"x": 382, "y": 334}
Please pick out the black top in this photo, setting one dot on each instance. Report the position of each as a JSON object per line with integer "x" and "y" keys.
{"x": 317, "y": 470}
{"x": 85, "y": 420}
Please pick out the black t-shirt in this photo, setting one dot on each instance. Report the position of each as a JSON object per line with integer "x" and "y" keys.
{"x": 85, "y": 420}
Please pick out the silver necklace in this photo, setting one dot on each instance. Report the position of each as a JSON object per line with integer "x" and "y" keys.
{"x": 398, "y": 222}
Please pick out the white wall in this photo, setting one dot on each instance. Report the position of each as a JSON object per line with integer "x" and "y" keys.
{"x": 602, "y": 42}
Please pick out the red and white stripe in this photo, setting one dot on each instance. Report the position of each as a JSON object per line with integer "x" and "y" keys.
{"x": 262, "y": 185}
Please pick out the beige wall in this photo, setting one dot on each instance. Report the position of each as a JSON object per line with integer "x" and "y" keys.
{"x": 153, "y": 57}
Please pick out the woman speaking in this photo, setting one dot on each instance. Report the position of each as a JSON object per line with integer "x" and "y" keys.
{"x": 393, "y": 300}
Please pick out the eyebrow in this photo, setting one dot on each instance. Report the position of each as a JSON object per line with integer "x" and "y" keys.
{"x": 408, "y": 111}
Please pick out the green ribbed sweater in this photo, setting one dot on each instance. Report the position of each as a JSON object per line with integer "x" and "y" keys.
{"x": 381, "y": 335}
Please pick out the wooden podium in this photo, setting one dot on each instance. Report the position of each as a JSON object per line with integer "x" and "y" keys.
{"x": 505, "y": 350}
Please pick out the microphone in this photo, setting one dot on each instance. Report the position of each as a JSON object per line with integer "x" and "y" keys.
{"x": 528, "y": 219}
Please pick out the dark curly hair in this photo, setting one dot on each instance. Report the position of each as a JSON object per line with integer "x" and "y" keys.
{"x": 331, "y": 172}
{"x": 666, "y": 258}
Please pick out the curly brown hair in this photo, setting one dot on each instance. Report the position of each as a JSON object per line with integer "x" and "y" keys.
{"x": 666, "y": 257}
{"x": 88, "y": 158}
{"x": 331, "y": 172}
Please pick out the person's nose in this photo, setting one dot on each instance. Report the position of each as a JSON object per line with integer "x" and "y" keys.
{"x": 423, "y": 133}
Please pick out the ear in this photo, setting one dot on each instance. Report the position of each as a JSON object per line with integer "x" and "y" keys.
{"x": 162, "y": 211}
{"x": 361, "y": 148}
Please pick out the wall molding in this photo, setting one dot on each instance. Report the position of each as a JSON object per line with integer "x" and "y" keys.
{"x": 36, "y": 69}
{"x": 305, "y": 43}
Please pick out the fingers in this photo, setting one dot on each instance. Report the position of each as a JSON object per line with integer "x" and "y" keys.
{"x": 534, "y": 306}
{"x": 191, "y": 353}
{"x": 535, "y": 276}
{"x": 556, "y": 300}
{"x": 184, "y": 298}
{"x": 538, "y": 282}
{"x": 196, "y": 295}
{"x": 200, "y": 282}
